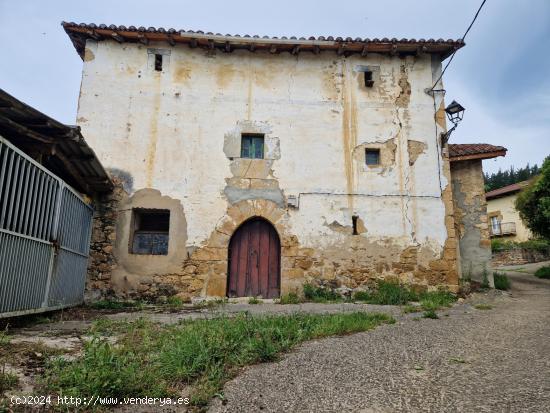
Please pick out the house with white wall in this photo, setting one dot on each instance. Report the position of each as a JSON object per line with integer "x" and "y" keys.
{"x": 248, "y": 166}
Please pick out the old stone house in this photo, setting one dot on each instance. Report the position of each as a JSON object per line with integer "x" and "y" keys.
{"x": 249, "y": 166}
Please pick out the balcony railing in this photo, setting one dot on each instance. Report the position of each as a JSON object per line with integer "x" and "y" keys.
{"x": 503, "y": 228}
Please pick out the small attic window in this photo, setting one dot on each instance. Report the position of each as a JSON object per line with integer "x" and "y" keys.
{"x": 158, "y": 62}
{"x": 368, "y": 78}
{"x": 372, "y": 157}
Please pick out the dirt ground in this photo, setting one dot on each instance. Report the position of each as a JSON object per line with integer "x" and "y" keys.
{"x": 467, "y": 360}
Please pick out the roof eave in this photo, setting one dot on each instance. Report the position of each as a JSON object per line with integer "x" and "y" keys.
{"x": 79, "y": 33}
{"x": 487, "y": 155}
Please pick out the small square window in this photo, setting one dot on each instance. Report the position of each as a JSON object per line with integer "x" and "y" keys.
{"x": 372, "y": 156}
{"x": 150, "y": 231}
{"x": 252, "y": 146}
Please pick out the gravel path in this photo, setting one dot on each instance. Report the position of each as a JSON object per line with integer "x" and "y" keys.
{"x": 469, "y": 360}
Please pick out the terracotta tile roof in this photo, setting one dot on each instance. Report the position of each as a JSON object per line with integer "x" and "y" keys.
{"x": 506, "y": 190}
{"x": 466, "y": 151}
{"x": 80, "y": 32}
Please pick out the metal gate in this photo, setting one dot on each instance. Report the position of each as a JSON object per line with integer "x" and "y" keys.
{"x": 45, "y": 229}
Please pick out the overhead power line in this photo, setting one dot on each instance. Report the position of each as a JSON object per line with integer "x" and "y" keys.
{"x": 462, "y": 40}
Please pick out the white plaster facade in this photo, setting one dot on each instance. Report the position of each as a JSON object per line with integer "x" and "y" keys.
{"x": 168, "y": 131}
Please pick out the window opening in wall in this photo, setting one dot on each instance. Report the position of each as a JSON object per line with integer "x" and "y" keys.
{"x": 368, "y": 78}
{"x": 354, "y": 219}
{"x": 252, "y": 146}
{"x": 150, "y": 228}
{"x": 158, "y": 62}
{"x": 372, "y": 156}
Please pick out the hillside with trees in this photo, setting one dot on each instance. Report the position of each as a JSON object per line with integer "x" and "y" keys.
{"x": 511, "y": 176}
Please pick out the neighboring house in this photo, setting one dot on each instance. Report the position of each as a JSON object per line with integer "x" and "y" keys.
{"x": 504, "y": 219}
{"x": 48, "y": 174}
{"x": 470, "y": 207}
{"x": 251, "y": 166}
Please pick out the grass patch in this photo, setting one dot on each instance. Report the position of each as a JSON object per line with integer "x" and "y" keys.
{"x": 406, "y": 309}
{"x": 430, "y": 314}
{"x": 114, "y": 305}
{"x": 156, "y": 361}
{"x": 7, "y": 380}
{"x": 320, "y": 294}
{"x": 387, "y": 293}
{"x": 483, "y": 306}
{"x": 543, "y": 272}
{"x": 457, "y": 360}
{"x": 434, "y": 300}
{"x": 390, "y": 293}
{"x": 502, "y": 282}
{"x": 254, "y": 300}
{"x": 290, "y": 298}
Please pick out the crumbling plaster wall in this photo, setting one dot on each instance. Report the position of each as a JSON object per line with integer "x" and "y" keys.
{"x": 178, "y": 132}
{"x": 470, "y": 210}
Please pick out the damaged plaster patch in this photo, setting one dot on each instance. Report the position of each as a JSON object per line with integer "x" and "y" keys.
{"x": 387, "y": 153}
{"x": 252, "y": 178}
{"x": 415, "y": 149}
{"x": 404, "y": 97}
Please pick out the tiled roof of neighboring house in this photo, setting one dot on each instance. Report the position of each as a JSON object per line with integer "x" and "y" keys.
{"x": 506, "y": 190}
{"x": 80, "y": 32}
{"x": 467, "y": 151}
{"x": 63, "y": 147}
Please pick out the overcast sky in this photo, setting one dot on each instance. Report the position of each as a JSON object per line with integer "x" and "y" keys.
{"x": 501, "y": 77}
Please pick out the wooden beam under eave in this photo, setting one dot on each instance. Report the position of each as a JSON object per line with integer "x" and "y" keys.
{"x": 73, "y": 171}
{"x": 25, "y": 131}
{"x": 117, "y": 37}
{"x": 295, "y": 50}
{"x": 193, "y": 43}
{"x": 143, "y": 40}
{"x": 341, "y": 49}
{"x": 273, "y": 49}
{"x": 364, "y": 51}
{"x": 171, "y": 40}
{"x": 252, "y": 47}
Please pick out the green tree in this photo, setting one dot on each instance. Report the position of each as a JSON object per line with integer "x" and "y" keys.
{"x": 533, "y": 203}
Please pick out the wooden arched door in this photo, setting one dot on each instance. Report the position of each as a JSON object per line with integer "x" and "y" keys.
{"x": 254, "y": 261}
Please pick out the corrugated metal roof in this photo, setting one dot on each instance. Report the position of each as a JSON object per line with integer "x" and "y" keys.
{"x": 63, "y": 147}
{"x": 506, "y": 190}
{"x": 466, "y": 151}
{"x": 80, "y": 32}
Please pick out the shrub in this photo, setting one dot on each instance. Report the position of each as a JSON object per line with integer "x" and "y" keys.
{"x": 543, "y": 272}
{"x": 434, "y": 300}
{"x": 430, "y": 314}
{"x": 533, "y": 202}
{"x": 498, "y": 244}
{"x": 502, "y": 282}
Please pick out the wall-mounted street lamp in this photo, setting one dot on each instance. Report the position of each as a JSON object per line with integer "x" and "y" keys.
{"x": 455, "y": 113}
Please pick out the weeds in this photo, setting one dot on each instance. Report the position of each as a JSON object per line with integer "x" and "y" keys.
{"x": 485, "y": 278}
{"x": 150, "y": 360}
{"x": 7, "y": 380}
{"x": 430, "y": 314}
{"x": 320, "y": 294}
{"x": 254, "y": 300}
{"x": 387, "y": 293}
{"x": 483, "y": 306}
{"x": 406, "y": 309}
{"x": 502, "y": 282}
{"x": 290, "y": 298}
{"x": 543, "y": 272}
{"x": 114, "y": 305}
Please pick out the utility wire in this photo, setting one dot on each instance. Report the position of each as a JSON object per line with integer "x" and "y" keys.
{"x": 462, "y": 40}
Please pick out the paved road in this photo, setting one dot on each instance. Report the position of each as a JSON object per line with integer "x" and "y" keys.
{"x": 471, "y": 360}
